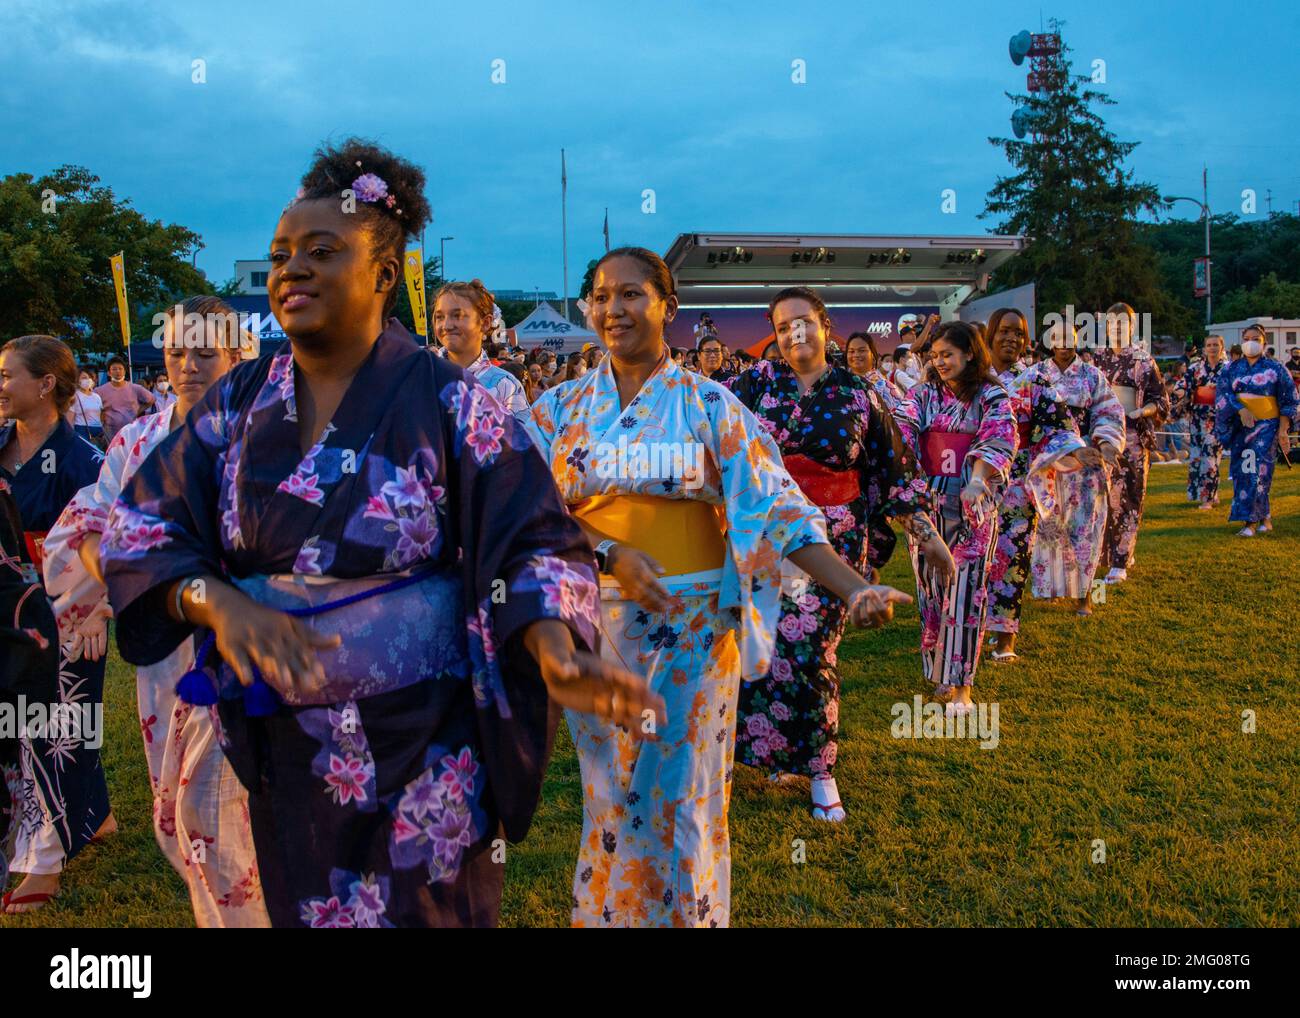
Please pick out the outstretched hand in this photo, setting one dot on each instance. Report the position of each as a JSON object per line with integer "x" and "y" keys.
{"x": 872, "y": 606}
{"x": 583, "y": 682}
{"x": 281, "y": 647}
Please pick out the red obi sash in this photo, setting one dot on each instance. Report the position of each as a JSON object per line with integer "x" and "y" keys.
{"x": 1204, "y": 395}
{"x": 1023, "y": 428}
{"x": 944, "y": 452}
{"x": 35, "y": 541}
{"x": 821, "y": 484}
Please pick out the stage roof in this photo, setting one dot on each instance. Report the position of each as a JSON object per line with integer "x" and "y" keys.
{"x": 747, "y": 269}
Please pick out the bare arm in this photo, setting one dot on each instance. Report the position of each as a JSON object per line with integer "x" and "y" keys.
{"x": 89, "y": 555}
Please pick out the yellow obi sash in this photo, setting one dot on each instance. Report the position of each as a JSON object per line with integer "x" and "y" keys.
{"x": 1127, "y": 396}
{"x": 682, "y": 535}
{"x": 1263, "y": 407}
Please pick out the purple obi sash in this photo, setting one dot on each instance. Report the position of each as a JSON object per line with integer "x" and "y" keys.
{"x": 397, "y": 631}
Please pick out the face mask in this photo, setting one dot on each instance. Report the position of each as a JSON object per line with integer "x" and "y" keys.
{"x": 1252, "y": 348}
{"x": 87, "y": 384}
{"x": 164, "y": 386}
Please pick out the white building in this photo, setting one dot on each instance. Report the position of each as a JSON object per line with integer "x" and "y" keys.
{"x": 1283, "y": 334}
{"x": 252, "y": 275}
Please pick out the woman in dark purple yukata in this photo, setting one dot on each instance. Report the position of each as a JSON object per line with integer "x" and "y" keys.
{"x": 387, "y": 743}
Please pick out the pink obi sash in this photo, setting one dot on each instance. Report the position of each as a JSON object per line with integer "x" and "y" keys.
{"x": 821, "y": 484}
{"x": 944, "y": 452}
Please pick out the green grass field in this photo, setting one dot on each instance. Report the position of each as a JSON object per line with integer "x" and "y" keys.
{"x": 1125, "y": 728}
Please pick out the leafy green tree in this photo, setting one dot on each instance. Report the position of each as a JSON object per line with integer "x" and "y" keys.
{"x": 1244, "y": 253}
{"x": 57, "y": 233}
{"x": 1272, "y": 298}
{"x": 1072, "y": 195}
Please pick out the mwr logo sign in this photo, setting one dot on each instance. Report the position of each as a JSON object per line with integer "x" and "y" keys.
{"x": 102, "y": 972}
{"x": 544, "y": 326}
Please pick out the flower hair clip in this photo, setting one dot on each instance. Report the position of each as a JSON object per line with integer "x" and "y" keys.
{"x": 368, "y": 187}
{"x": 373, "y": 189}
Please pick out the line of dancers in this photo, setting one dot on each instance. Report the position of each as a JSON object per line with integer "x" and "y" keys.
{"x": 359, "y": 588}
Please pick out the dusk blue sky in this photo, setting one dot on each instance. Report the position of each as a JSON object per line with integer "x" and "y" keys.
{"x": 692, "y": 99}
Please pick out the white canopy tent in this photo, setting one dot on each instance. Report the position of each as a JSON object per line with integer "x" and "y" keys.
{"x": 548, "y": 329}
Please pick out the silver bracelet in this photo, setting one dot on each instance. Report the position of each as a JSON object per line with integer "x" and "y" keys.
{"x": 180, "y": 594}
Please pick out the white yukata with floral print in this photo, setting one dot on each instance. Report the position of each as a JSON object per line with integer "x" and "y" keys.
{"x": 200, "y": 810}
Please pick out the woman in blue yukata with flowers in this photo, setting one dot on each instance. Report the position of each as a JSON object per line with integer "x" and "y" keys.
{"x": 1255, "y": 408}
{"x": 389, "y": 500}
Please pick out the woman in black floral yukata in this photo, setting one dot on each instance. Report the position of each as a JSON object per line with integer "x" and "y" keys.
{"x": 844, "y": 450}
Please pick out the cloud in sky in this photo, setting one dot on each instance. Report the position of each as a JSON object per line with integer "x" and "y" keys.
{"x": 695, "y": 101}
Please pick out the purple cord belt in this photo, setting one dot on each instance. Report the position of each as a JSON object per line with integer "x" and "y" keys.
{"x": 260, "y": 700}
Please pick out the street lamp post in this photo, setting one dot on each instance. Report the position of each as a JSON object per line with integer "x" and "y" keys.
{"x": 1204, "y": 205}
{"x": 442, "y": 256}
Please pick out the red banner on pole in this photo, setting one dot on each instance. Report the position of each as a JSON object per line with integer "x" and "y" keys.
{"x": 1201, "y": 277}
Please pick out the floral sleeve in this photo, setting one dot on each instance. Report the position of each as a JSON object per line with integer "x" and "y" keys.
{"x": 768, "y": 517}
{"x": 1107, "y": 414}
{"x": 995, "y": 440}
{"x": 164, "y": 527}
{"x": 1052, "y": 432}
{"x": 523, "y": 559}
{"x": 889, "y": 467}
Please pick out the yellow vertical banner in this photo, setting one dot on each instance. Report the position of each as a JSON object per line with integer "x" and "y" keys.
{"x": 415, "y": 290}
{"x": 119, "y": 286}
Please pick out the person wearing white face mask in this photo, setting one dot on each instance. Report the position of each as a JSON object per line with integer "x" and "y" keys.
{"x": 163, "y": 397}
{"x": 85, "y": 413}
{"x": 908, "y": 372}
{"x": 1255, "y": 409}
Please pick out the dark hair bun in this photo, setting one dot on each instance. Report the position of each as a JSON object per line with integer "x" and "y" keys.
{"x": 334, "y": 168}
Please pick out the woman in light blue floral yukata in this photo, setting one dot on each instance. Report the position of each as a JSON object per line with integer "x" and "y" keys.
{"x": 394, "y": 753}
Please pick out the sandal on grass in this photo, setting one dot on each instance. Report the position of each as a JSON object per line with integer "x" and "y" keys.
{"x": 39, "y": 900}
{"x": 1004, "y": 656}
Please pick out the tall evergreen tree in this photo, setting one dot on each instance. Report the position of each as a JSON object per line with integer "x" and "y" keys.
{"x": 1072, "y": 195}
